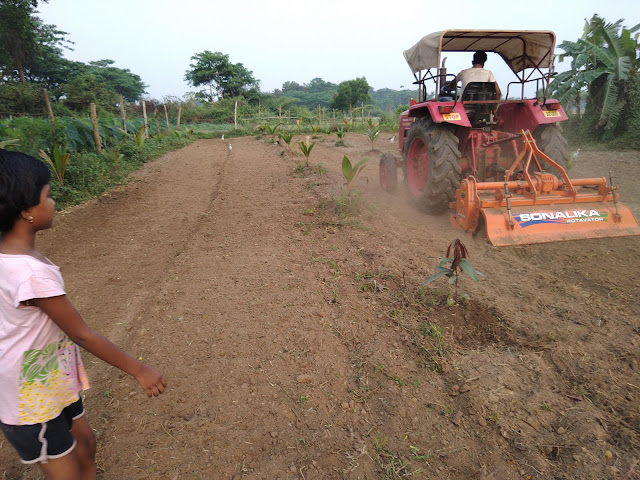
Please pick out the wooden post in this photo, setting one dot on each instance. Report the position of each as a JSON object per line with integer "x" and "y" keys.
{"x": 362, "y": 112}
{"x": 235, "y": 116}
{"x": 51, "y": 117}
{"x": 96, "y": 132}
{"x": 155, "y": 118}
{"x": 279, "y": 114}
{"x": 166, "y": 116}
{"x": 124, "y": 115}
{"x": 179, "y": 113}
{"x": 144, "y": 114}
{"x": 319, "y": 115}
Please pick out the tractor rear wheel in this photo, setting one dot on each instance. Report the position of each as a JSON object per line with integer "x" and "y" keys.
{"x": 431, "y": 165}
{"x": 388, "y": 173}
{"x": 551, "y": 141}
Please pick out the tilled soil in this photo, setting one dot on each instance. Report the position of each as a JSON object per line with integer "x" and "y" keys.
{"x": 298, "y": 342}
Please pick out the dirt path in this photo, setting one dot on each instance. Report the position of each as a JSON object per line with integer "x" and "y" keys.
{"x": 297, "y": 344}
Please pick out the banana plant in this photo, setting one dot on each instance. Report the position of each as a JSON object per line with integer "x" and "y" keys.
{"x": 350, "y": 172}
{"x": 59, "y": 162}
{"x": 305, "y": 148}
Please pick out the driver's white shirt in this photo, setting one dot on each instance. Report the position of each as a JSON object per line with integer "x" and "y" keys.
{"x": 474, "y": 75}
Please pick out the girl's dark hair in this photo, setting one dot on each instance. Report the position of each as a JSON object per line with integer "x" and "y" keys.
{"x": 22, "y": 179}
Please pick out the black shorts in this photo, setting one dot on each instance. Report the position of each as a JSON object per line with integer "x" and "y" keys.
{"x": 43, "y": 441}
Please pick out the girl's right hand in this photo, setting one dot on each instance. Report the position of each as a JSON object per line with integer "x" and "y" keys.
{"x": 150, "y": 380}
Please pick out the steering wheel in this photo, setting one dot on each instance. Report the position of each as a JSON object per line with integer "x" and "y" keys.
{"x": 447, "y": 87}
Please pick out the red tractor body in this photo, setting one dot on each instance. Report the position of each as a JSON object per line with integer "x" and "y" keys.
{"x": 457, "y": 146}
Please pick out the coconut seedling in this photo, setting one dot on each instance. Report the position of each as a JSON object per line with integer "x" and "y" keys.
{"x": 305, "y": 148}
{"x": 59, "y": 162}
{"x": 350, "y": 172}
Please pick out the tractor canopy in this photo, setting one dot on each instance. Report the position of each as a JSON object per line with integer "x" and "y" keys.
{"x": 520, "y": 49}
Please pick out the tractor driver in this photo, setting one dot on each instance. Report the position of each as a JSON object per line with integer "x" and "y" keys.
{"x": 477, "y": 73}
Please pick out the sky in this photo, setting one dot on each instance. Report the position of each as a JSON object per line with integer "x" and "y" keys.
{"x": 284, "y": 40}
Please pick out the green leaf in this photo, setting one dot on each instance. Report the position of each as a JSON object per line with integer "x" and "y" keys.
{"x": 468, "y": 269}
{"x": 347, "y": 169}
{"x": 436, "y": 276}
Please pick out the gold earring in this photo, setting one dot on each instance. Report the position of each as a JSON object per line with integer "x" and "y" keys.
{"x": 30, "y": 219}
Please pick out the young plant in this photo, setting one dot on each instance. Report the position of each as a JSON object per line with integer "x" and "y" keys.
{"x": 9, "y": 144}
{"x": 273, "y": 131}
{"x": 59, "y": 162}
{"x": 372, "y": 132}
{"x": 315, "y": 128}
{"x": 305, "y": 148}
{"x": 340, "y": 133}
{"x": 116, "y": 159}
{"x": 351, "y": 172}
{"x": 299, "y": 122}
{"x": 457, "y": 260}
{"x": 140, "y": 138}
{"x": 261, "y": 128}
{"x": 348, "y": 123}
{"x": 287, "y": 138}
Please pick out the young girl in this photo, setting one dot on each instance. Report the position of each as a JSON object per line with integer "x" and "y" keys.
{"x": 41, "y": 372}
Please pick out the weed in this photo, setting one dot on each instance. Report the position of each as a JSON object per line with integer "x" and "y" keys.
{"x": 545, "y": 406}
{"x": 390, "y": 462}
{"x": 414, "y": 454}
{"x": 335, "y": 268}
{"x": 299, "y": 169}
{"x": 320, "y": 170}
{"x": 436, "y": 349}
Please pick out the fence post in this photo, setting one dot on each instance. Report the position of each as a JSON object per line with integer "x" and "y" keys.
{"x": 179, "y": 113}
{"x": 96, "y": 132}
{"x": 144, "y": 114}
{"x": 51, "y": 117}
{"x": 124, "y": 115}
{"x": 166, "y": 116}
{"x": 235, "y": 116}
{"x": 279, "y": 114}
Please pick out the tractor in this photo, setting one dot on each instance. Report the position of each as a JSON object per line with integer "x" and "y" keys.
{"x": 497, "y": 162}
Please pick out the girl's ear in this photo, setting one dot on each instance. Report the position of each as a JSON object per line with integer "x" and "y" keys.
{"x": 26, "y": 214}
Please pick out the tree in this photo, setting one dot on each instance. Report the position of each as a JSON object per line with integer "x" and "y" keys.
{"x": 603, "y": 61}
{"x": 217, "y": 74}
{"x": 17, "y": 35}
{"x": 86, "y": 89}
{"x": 351, "y": 92}
{"x": 120, "y": 80}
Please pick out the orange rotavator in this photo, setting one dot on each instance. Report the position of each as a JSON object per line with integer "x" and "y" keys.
{"x": 498, "y": 162}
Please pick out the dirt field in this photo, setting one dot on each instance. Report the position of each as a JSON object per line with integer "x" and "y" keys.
{"x": 299, "y": 345}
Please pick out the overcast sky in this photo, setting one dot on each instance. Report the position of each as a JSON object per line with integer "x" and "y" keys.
{"x": 284, "y": 40}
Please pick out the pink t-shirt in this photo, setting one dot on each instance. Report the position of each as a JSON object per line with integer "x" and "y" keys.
{"x": 41, "y": 371}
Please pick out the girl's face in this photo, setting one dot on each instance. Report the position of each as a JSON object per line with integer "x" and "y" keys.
{"x": 43, "y": 212}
